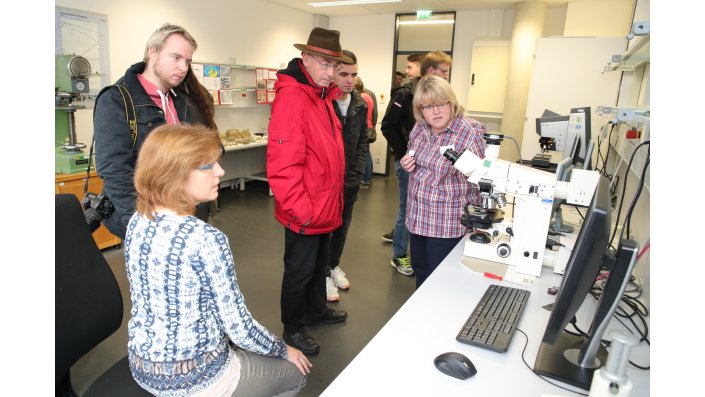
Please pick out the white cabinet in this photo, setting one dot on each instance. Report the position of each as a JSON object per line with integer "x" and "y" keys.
{"x": 488, "y": 82}
{"x": 488, "y": 78}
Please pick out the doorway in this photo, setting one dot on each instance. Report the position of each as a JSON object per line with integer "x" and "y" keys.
{"x": 414, "y": 34}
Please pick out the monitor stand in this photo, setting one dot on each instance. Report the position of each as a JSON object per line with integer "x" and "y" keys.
{"x": 560, "y": 361}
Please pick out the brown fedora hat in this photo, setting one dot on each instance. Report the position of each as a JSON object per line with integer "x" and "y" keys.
{"x": 325, "y": 43}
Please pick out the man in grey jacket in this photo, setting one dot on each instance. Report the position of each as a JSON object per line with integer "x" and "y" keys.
{"x": 154, "y": 87}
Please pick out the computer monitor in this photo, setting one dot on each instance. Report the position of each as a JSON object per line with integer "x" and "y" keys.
{"x": 563, "y": 169}
{"x": 574, "y": 153}
{"x": 570, "y": 134}
{"x": 570, "y": 358}
{"x": 580, "y": 126}
{"x": 587, "y": 162}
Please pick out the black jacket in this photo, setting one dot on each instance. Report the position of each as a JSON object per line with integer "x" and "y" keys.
{"x": 399, "y": 118}
{"x": 355, "y": 142}
{"x": 114, "y": 155}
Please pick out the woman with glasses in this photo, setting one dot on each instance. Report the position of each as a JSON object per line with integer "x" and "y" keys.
{"x": 190, "y": 332}
{"x": 437, "y": 193}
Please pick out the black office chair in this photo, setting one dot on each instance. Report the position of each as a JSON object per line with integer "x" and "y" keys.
{"x": 88, "y": 304}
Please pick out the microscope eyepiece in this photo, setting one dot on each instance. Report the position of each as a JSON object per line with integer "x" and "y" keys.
{"x": 451, "y": 155}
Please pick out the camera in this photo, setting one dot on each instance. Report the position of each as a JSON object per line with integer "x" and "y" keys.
{"x": 96, "y": 208}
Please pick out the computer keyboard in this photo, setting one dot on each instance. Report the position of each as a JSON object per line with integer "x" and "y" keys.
{"x": 492, "y": 323}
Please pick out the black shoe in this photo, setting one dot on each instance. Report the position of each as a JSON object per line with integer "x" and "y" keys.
{"x": 330, "y": 316}
{"x": 389, "y": 237}
{"x": 301, "y": 341}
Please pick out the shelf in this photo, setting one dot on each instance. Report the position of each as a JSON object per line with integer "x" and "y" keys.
{"x": 636, "y": 55}
{"x": 244, "y": 147}
{"x": 484, "y": 115}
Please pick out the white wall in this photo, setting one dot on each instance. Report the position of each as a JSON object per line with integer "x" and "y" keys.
{"x": 261, "y": 33}
{"x": 601, "y": 18}
{"x": 629, "y": 96}
{"x": 371, "y": 38}
{"x": 253, "y": 32}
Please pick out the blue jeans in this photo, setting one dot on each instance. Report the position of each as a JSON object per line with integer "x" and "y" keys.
{"x": 367, "y": 176}
{"x": 401, "y": 234}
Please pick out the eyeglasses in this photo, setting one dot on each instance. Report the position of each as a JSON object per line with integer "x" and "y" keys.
{"x": 444, "y": 71}
{"x": 327, "y": 66}
{"x": 428, "y": 108}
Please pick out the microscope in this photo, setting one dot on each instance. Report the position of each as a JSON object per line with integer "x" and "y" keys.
{"x": 71, "y": 81}
{"x": 519, "y": 242}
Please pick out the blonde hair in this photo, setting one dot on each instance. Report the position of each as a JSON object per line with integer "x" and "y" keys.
{"x": 164, "y": 164}
{"x": 435, "y": 90}
{"x": 158, "y": 38}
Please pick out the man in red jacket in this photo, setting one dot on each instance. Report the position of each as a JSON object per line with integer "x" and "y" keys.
{"x": 305, "y": 170}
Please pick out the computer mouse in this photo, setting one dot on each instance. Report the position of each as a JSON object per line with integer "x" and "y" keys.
{"x": 455, "y": 365}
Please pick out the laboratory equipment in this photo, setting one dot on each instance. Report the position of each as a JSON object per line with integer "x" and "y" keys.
{"x": 71, "y": 80}
{"x": 521, "y": 241}
{"x": 563, "y": 136}
{"x": 567, "y": 357}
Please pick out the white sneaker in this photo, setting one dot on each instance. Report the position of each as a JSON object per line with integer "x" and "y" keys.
{"x": 331, "y": 291}
{"x": 338, "y": 276}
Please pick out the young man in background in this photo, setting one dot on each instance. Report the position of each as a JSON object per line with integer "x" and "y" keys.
{"x": 397, "y": 123}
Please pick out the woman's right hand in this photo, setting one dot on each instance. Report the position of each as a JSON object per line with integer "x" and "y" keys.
{"x": 408, "y": 163}
{"x": 299, "y": 359}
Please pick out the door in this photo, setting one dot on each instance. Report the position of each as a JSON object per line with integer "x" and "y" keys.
{"x": 488, "y": 77}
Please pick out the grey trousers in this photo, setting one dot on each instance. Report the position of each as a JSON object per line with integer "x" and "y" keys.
{"x": 267, "y": 376}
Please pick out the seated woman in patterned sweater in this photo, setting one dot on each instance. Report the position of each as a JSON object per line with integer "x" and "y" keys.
{"x": 190, "y": 332}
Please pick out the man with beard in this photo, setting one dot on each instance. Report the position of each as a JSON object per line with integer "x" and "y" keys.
{"x": 154, "y": 88}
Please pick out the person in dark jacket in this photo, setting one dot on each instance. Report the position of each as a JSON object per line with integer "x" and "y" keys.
{"x": 305, "y": 171}
{"x": 351, "y": 110}
{"x": 369, "y": 97}
{"x": 397, "y": 123}
{"x": 155, "y": 87}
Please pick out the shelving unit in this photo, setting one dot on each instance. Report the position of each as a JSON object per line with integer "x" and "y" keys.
{"x": 635, "y": 61}
{"x": 242, "y": 162}
{"x": 637, "y": 54}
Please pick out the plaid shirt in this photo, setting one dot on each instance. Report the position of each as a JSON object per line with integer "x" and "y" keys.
{"x": 438, "y": 193}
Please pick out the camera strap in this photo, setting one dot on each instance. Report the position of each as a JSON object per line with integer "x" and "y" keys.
{"x": 129, "y": 116}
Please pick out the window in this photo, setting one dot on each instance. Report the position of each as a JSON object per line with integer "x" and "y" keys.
{"x": 86, "y": 34}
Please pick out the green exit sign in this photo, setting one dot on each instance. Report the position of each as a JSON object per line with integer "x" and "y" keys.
{"x": 423, "y": 14}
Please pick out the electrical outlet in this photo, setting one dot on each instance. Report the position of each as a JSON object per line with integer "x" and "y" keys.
{"x": 378, "y": 160}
